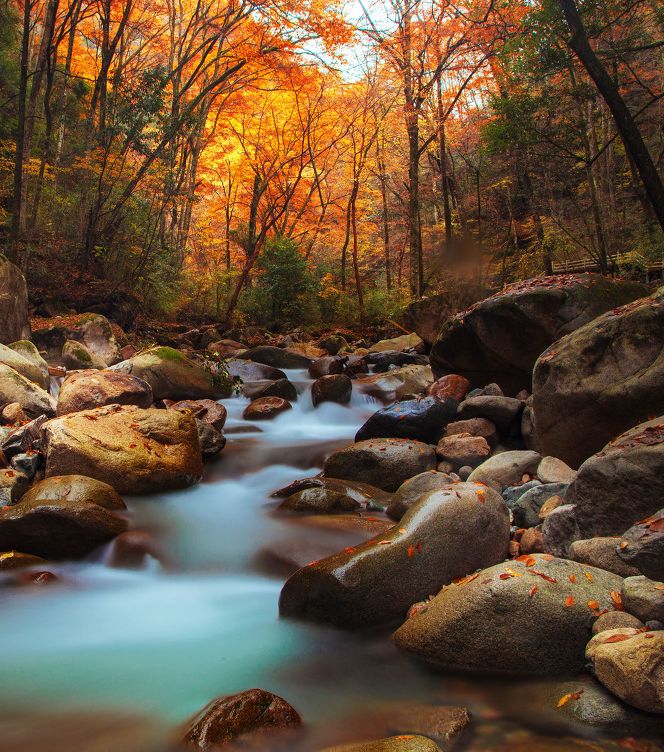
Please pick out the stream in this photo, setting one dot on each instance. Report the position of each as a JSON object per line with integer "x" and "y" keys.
{"x": 113, "y": 659}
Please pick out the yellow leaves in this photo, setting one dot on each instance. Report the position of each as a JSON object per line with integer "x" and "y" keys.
{"x": 569, "y": 696}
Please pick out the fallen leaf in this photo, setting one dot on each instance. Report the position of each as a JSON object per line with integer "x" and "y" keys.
{"x": 593, "y": 605}
{"x": 532, "y": 591}
{"x": 543, "y": 576}
{"x": 569, "y": 601}
{"x": 616, "y": 638}
{"x": 572, "y": 578}
{"x": 617, "y": 600}
{"x": 589, "y": 576}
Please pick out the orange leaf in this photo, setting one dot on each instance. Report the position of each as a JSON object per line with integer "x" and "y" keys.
{"x": 572, "y": 578}
{"x": 589, "y": 577}
{"x": 570, "y": 696}
{"x": 543, "y": 576}
{"x": 569, "y": 601}
{"x": 616, "y": 638}
{"x": 593, "y": 605}
{"x": 533, "y": 590}
{"x": 411, "y": 551}
{"x": 617, "y": 600}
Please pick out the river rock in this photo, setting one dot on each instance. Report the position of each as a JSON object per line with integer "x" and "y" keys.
{"x": 265, "y": 408}
{"x": 402, "y": 342}
{"x": 501, "y": 411}
{"x": 616, "y": 620}
{"x": 601, "y": 552}
{"x": 210, "y": 439}
{"x": 327, "y": 366}
{"x": 76, "y": 357}
{"x": 172, "y": 375}
{"x": 601, "y": 380}
{"x": 13, "y": 485}
{"x": 226, "y": 719}
{"x": 419, "y": 419}
{"x": 631, "y": 668}
{"x": 526, "y": 508}
{"x": 377, "y": 581}
{"x": 391, "y": 359}
{"x": 29, "y": 352}
{"x": 401, "y": 383}
{"x": 16, "y": 388}
{"x": 462, "y": 449}
{"x": 333, "y": 343}
{"x": 265, "y": 388}
{"x": 475, "y": 427}
{"x": 131, "y": 549}
{"x": 401, "y": 743}
{"x": 92, "y": 330}
{"x": 500, "y": 338}
{"x": 560, "y": 529}
{"x": 334, "y": 388}
{"x": 410, "y": 491}
{"x": 206, "y": 410}
{"x": 226, "y": 348}
{"x": 14, "y": 320}
{"x": 136, "y": 451}
{"x": 643, "y": 598}
{"x": 276, "y": 357}
{"x": 385, "y": 463}
{"x": 621, "y": 484}
{"x": 248, "y": 371}
{"x": 319, "y": 500}
{"x": 452, "y": 385}
{"x": 642, "y": 546}
{"x": 532, "y": 541}
{"x": 62, "y": 517}
{"x": 86, "y": 390}
{"x": 553, "y": 502}
{"x": 363, "y": 493}
{"x": 23, "y": 366}
{"x": 529, "y": 616}
{"x": 12, "y": 560}
{"x": 505, "y": 469}
{"x": 441, "y": 723}
{"x": 552, "y": 470}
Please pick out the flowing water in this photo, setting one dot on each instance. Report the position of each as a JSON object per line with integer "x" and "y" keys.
{"x": 111, "y": 659}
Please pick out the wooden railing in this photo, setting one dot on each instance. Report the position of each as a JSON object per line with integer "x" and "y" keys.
{"x": 589, "y": 264}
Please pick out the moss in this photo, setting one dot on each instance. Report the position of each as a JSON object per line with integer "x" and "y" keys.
{"x": 79, "y": 351}
{"x": 170, "y": 353}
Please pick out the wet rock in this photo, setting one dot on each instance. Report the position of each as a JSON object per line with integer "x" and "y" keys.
{"x": 248, "y": 371}
{"x": 13, "y": 485}
{"x": 553, "y": 502}
{"x": 601, "y": 553}
{"x": 601, "y": 380}
{"x": 226, "y": 347}
{"x": 264, "y": 388}
{"x": 24, "y": 357}
{"x": 402, "y": 342}
{"x": 413, "y": 489}
{"x": 206, "y": 410}
{"x": 16, "y": 388}
{"x": 24, "y": 438}
{"x": 642, "y": 546}
{"x": 28, "y": 463}
{"x": 227, "y": 719}
{"x": 505, "y": 469}
{"x": 560, "y": 529}
{"x": 631, "y": 668}
{"x": 14, "y": 317}
{"x": 172, "y": 375}
{"x": 265, "y": 408}
{"x": 385, "y": 463}
{"x": 443, "y": 724}
{"x": 475, "y": 427}
{"x": 532, "y": 541}
{"x": 644, "y": 598}
{"x": 92, "y": 330}
{"x": 62, "y": 517}
{"x": 401, "y": 383}
{"x": 552, "y": 470}
{"x": 616, "y": 620}
{"x": 463, "y": 449}
{"x": 377, "y": 581}
{"x": 327, "y": 366}
{"x": 623, "y": 483}
{"x": 319, "y": 500}
{"x": 356, "y": 366}
{"x": 276, "y": 357}
{"x": 530, "y": 616}
{"x": 11, "y": 560}
{"x": 526, "y": 509}
{"x": 419, "y": 419}
{"x": 363, "y": 493}
{"x": 333, "y": 343}
{"x": 334, "y": 388}
{"x": 76, "y": 356}
{"x": 452, "y": 385}
{"x": 401, "y": 743}
{"x": 500, "y": 338}
{"x": 132, "y": 548}
{"x": 211, "y": 440}
{"x": 89, "y": 389}
{"x": 391, "y": 359}
{"x": 136, "y": 451}
{"x": 502, "y": 411}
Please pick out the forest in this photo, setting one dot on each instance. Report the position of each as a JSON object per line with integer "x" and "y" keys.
{"x": 275, "y": 162}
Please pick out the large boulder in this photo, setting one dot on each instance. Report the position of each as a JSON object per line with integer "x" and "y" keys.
{"x": 642, "y": 546}
{"x": 600, "y": 380}
{"x": 86, "y": 390}
{"x": 412, "y": 490}
{"x": 506, "y": 468}
{"x": 29, "y": 351}
{"x": 420, "y": 419}
{"x": 276, "y": 357}
{"x": 17, "y": 388}
{"x": 622, "y": 484}
{"x": 172, "y": 375}
{"x": 402, "y": 342}
{"x": 447, "y": 534}
{"x": 62, "y": 517}
{"x": 227, "y": 719}
{"x": 28, "y": 368}
{"x": 500, "y": 338}
{"x": 248, "y": 371}
{"x": 643, "y": 598}
{"x": 529, "y": 616}
{"x": 401, "y": 383}
{"x": 134, "y": 450}
{"x": 92, "y": 330}
{"x": 385, "y": 463}
{"x": 77, "y": 357}
{"x": 14, "y": 321}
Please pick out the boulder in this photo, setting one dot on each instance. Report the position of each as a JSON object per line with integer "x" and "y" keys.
{"x": 136, "y": 451}
{"x": 319, "y": 500}
{"x": 22, "y": 365}
{"x": 333, "y": 388}
{"x": 11, "y": 560}
{"x": 206, "y": 410}
{"x": 500, "y": 338}
{"x": 560, "y": 529}
{"x": 327, "y": 366}
{"x": 172, "y": 375}
{"x": 601, "y": 380}
{"x": 505, "y": 469}
{"x": 391, "y": 359}
{"x": 419, "y": 419}
{"x": 553, "y": 502}
{"x": 475, "y": 427}
{"x": 643, "y": 598}
{"x": 87, "y": 390}
{"x": 92, "y": 330}
{"x": 248, "y": 371}
{"x": 532, "y": 541}
{"x": 401, "y": 383}
{"x": 13, "y": 485}
{"x": 276, "y": 357}
{"x": 452, "y": 385}
{"x": 400, "y": 343}
{"x": 29, "y": 352}
{"x": 14, "y": 317}
{"x": 601, "y": 553}
{"x": 616, "y": 620}
{"x": 76, "y": 357}
{"x": 227, "y": 719}
{"x": 401, "y": 743}
{"x": 529, "y": 616}
{"x": 446, "y": 534}
{"x": 411, "y": 490}
{"x": 333, "y": 343}
{"x": 225, "y": 347}
{"x": 621, "y": 484}
{"x": 503, "y": 412}
{"x": 526, "y": 508}
{"x": 462, "y": 449}
{"x": 16, "y": 388}
{"x": 210, "y": 439}
{"x": 62, "y": 517}
{"x": 385, "y": 463}
{"x": 642, "y": 546}
{"x": 552, "y": 470}
{"x": 265, "y": 408}
{"x": 265, "y": 388}
{"x": 363, "y": 493}
{"x": 631, "y": 668}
